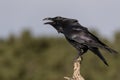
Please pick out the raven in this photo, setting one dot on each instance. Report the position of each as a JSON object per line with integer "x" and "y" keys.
{"x": 79, "y": 36}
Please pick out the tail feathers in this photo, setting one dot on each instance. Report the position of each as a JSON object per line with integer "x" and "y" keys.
{"x": 110, "y": 50}
{"x": 97, "y": 52}
{"x": 105, "y": 47}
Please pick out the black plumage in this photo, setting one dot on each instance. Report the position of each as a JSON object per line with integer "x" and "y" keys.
{"x": 79, "y": 36}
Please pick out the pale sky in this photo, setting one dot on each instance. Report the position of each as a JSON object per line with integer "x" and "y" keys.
{"x": 16, "y": 15}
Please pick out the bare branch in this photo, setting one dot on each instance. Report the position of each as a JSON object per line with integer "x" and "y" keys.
{"x": 76, "y": 73}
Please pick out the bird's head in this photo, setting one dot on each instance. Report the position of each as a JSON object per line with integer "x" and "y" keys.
{"x": 60, "y": 22}
{"x": 56, "y": 22}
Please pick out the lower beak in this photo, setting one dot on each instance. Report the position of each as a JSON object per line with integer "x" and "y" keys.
{"x": 48, "y": 23}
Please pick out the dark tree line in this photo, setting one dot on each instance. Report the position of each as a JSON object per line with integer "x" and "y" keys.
{"x": 39, "y": 58}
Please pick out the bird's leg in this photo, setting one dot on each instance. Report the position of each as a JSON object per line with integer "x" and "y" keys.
{"x": 79, "y": 55}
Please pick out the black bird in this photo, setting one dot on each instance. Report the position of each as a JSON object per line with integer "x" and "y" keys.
{"x": 79, "y": 36}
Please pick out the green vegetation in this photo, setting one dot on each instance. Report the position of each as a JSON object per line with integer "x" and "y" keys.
{"x": 34, "y": 58}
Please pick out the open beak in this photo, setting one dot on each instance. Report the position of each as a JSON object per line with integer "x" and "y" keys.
{"x": 50, "y": 20}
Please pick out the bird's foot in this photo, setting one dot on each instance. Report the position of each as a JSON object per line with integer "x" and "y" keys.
{"x": 77, "y": 57}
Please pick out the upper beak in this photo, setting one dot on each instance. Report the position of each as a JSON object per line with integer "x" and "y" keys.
{"x": 47, "y": 18}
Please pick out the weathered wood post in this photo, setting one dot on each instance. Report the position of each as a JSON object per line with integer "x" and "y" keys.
{"x": 76, "y": 69}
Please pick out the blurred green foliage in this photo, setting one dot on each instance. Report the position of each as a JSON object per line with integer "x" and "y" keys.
{"x": 34, "y": 58}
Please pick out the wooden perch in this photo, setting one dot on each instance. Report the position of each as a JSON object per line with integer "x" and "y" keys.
{"x": 76, "y": 73}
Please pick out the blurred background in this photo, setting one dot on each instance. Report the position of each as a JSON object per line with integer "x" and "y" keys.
{"x": 30, "y": 50}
